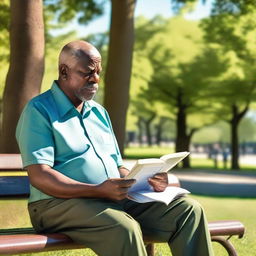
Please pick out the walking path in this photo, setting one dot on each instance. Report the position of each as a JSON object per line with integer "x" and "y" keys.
{"x": 215, "y": 183}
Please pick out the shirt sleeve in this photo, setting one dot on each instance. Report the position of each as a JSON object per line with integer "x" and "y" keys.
{"x": 34, "y": 137}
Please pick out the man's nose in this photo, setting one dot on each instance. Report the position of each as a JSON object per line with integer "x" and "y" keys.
{"x": 94, "y": 78}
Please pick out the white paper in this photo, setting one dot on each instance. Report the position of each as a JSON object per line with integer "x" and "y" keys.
{"x": 143, "y": 169}
{"x": 166, "y": 196}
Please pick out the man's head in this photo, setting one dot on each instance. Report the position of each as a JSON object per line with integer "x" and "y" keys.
{"x": 79, "y": 69}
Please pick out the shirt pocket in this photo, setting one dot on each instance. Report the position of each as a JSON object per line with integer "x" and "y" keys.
{"x": 105, "y": 142}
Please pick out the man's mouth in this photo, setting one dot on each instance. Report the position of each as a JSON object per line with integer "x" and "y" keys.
{"x": 91, "y": 87}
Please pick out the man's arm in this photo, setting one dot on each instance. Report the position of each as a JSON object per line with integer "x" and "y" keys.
{"x": 54, "y": 183}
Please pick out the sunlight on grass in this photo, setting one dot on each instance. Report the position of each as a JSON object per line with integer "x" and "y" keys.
{"x": 146, "y": 152}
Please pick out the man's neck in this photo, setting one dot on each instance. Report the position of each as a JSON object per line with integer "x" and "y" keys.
{"x": 80, "y": 107}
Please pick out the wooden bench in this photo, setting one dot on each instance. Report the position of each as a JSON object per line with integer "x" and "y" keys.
{"x": 25, "y": 240}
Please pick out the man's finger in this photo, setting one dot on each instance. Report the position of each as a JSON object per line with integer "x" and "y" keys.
{"x": 161, "y": 175}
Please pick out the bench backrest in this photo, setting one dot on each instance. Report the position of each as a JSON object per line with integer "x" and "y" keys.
{"x": 12, "y": 185}
{"x": 10, "y": 162}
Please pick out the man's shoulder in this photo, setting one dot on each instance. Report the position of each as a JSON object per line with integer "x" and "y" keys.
{"x": 40, "y": 99}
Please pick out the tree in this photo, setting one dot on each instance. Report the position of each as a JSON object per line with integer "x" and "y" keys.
{"x": 26, "y": 66}
{"x": 234, "y": 92}
{"x": 4, "y": 45}
{"x": 118, "y": 71}
{"x": 232, "y": 26}
{"x": 4, "y": 23}
{"x": 183, "y": 68}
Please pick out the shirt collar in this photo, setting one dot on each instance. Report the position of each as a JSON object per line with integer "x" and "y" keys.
{"x": 63, "y": 103}
{"x": 87, "y": 108}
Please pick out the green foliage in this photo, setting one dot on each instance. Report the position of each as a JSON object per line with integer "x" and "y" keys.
{"x": 235, "y": 7}
{"x": 232, "y": 28}
{"x": 182, "y": 66}
{"x": 4, "y": 25}
{"x": 247, "y": 130}
{"x": 4, "y": 15}
{"x": 211, "y": 134}
{"x": 4, "y": 42}
{"x": 82, "y": 10}
{"x": 147, "y": 152}
{"x": 180, "y": 5}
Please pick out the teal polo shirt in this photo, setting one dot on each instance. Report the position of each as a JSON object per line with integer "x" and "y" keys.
{"x": 81, "y": 146}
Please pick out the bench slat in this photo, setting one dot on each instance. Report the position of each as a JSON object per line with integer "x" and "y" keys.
{"x": 226, "y": 228}
{"x": 10, "y": 161}
{"x": 26, "y": 243}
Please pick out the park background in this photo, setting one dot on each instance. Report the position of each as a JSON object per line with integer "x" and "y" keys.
{"x": 177, "y": 76}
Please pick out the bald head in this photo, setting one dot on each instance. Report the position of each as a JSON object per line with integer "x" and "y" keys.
{"x": 76, "y": 51}
{"x": 79, "y": 71}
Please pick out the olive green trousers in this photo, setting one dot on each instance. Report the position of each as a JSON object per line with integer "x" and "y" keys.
{"x": 117, "y": 228}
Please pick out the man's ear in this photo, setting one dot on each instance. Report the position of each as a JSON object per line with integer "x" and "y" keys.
{"x": 63, "y": 71}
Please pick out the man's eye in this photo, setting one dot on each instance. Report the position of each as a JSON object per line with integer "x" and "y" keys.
{"x": 84, "y": 74}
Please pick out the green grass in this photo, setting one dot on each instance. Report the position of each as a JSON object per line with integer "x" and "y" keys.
{"x": 14, "y": 214}
{"x": 146, "y": 152}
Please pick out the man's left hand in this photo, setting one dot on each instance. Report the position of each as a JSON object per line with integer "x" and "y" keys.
{"x": 159, "y": 181}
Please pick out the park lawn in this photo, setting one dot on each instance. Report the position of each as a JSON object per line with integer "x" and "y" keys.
{"x": 14, "y": 214}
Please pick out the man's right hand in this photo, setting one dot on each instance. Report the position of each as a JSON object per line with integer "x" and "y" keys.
{"x": 115, "y": 189}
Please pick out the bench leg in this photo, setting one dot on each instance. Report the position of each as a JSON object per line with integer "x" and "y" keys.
{"x": 150, "y": 248}
{"x": 226, "y": 244}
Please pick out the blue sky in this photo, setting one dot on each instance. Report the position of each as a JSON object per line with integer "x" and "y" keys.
{"x": 147, "y": 8}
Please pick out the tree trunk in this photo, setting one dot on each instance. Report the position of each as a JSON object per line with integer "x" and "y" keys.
{"x": 118, "y": 71}
{"x": 159, "y": 130}
{"x": 140, "y": 130}
{"x": 26, "y": 66}
{"x": 182, "y": 139}
{"x": 186, "y": 161}
{"x": 148, "y": 128}
{"x": 236, "y": 118}
{"x": 181, "y": 131}
{"x": 234, "y": 146}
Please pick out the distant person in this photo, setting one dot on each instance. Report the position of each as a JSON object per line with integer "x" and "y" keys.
{"x": 77, "y": 175}
{"x": 214, "y": 155}
{"x": 225, "y": 153}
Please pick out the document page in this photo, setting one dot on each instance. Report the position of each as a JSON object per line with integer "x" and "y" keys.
{"x": 146, "y": 171}
{"x": 172, "y": 159}
{"x": 166, "y": 196}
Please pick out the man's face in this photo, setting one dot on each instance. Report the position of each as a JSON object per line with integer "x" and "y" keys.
{"x": 83, "y": 78}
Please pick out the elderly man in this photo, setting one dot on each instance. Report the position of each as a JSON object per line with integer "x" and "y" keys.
{"x": 76, "y": 173}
